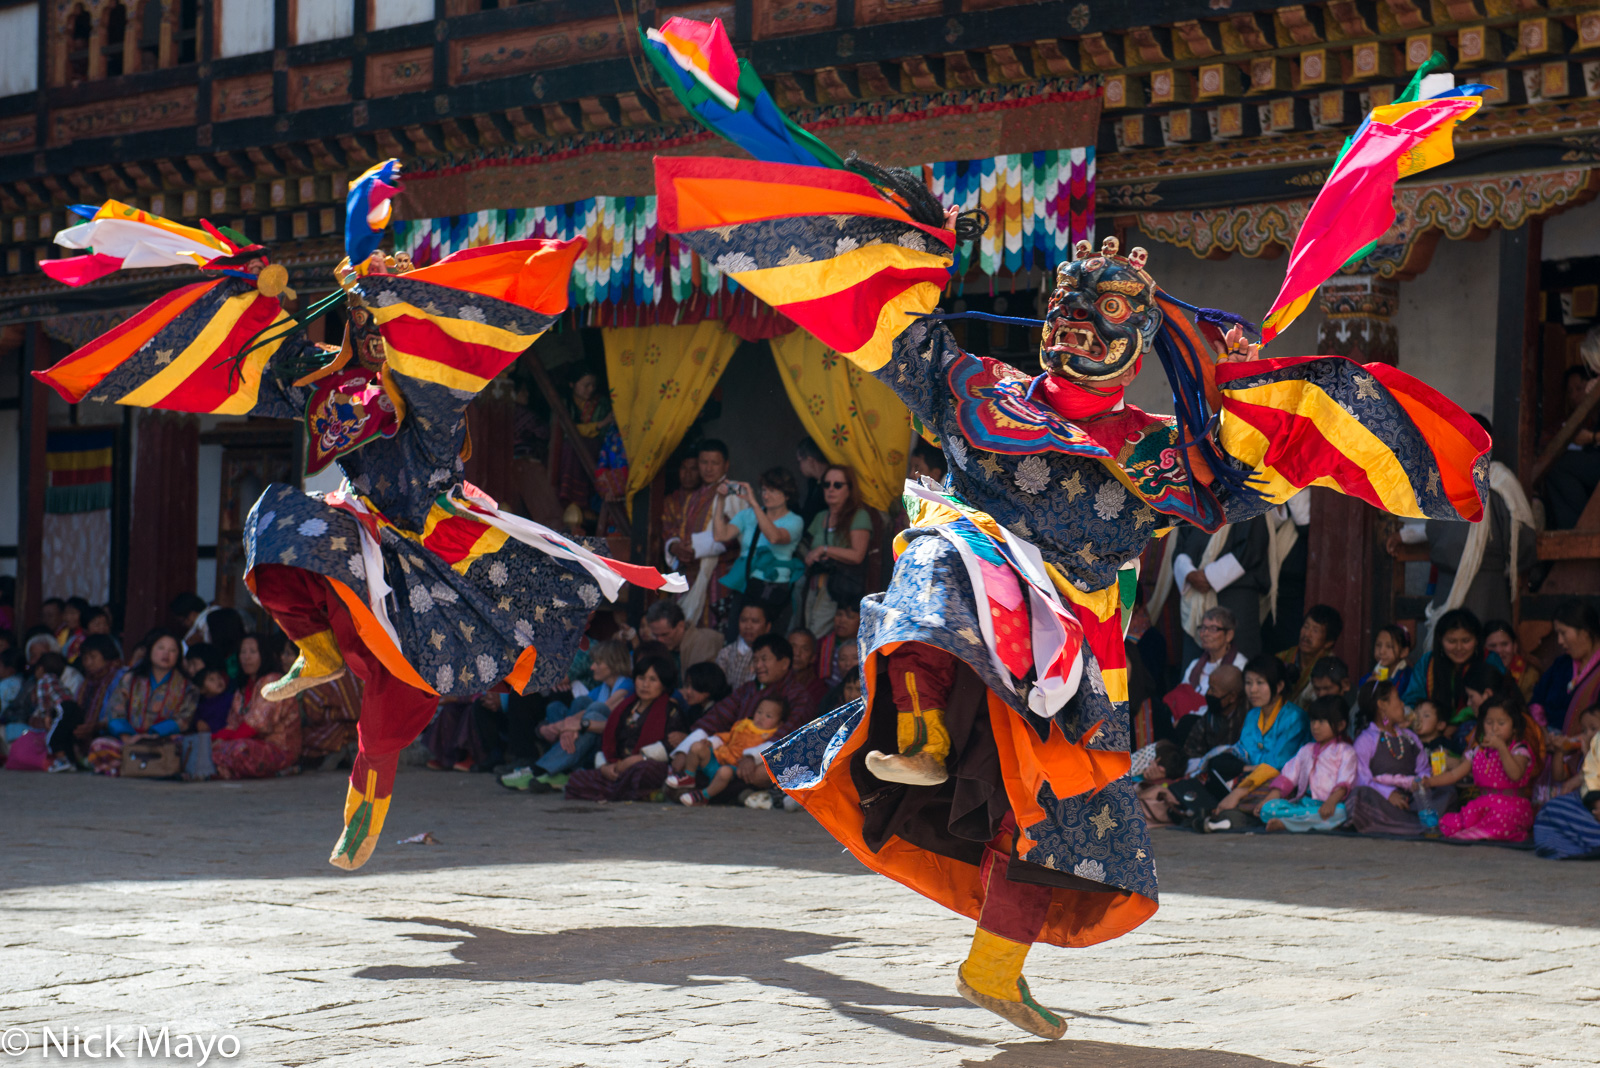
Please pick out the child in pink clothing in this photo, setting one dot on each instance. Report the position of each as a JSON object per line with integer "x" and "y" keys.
{"x": 1503, "y": 767}
{"x": 1319, "y": 776}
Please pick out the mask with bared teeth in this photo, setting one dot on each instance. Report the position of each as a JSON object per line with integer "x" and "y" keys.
{"x": 1102, "y": 316}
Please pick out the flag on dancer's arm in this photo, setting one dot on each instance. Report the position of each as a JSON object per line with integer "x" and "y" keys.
{"x": 725, "y": 94}
{"x": 1370, "y": 431}
{"x": 821, "y": 246}
{"x": 463, "y": 320}
{"x": 1356, "y": 204}
{"x": 117, "y": 236}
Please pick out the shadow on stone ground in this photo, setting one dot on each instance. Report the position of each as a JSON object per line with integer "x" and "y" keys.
{"x": 690, "y": 956}
{"x": 1070, "y": 1054}
{"x": 709, "y": 955}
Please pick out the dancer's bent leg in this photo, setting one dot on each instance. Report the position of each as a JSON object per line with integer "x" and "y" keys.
{"x": 298, "y": 600}
{"x": 393, "y": 712}
{"x": 921, "y": 677}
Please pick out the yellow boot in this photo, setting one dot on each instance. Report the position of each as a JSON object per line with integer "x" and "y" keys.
{"x": 991, "y": 978}
{"x": 319, "y": 661}
{"x": 364, "y": 813}
{"x": 924, "y": 744}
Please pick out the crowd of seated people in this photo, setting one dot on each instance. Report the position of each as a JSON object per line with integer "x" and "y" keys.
{"x": 182, "y": 702}
{"x": 1468, "y": 742}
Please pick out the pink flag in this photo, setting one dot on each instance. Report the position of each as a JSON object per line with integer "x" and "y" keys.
{"x": 81, "y": 270}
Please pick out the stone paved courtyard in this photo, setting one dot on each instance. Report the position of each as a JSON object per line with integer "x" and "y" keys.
{"x": 543, "y": 932}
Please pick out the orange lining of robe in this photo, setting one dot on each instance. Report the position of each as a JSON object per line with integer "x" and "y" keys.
{"x": 1076, "y": 918}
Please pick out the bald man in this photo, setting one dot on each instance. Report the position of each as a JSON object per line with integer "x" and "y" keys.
{"x": 1223, "y": 720}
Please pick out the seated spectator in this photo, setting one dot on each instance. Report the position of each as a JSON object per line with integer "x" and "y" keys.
{"x": 664, "y": 622}
{"x": 572, "y": 730}
{"x": 846, "y": 631}
{"x": 804, "y": 645}
{"x": 188, "y": 614}
{"x": 262, "y": 738}
{"x": 256, "y": 661}
{"x": 51, "y": 609}
{"x": 850, "y": 688}
{"x": 1481, "y": 682}
{"x": 215, "y": 699}
{"x": 1319, "y": 632}
{"x": 72, "y": 633}
{"x": 717, "y": 757}
{"x": 836, "y": 565}
{"x": 1274, "y": 732}
{"x": 43, "y": 705}
{"x": 1572, "y": 683}
{"x": 848, "y": 659}
{"x": 768, "y": 534}
{"x": 1331, "y": 678}
{"x": 1391, "y": 647}
{"x": 1567, "y": 753}
{"x": 1309, "y": 792}
{"x": 773, "y": 677}
{"x": 1167, "y": 765}
{"x": 100, "y": 666}
{"x": 1433, "y": 731}
{"x": 703, "y": 686}
{"x": 1569, "y": 826}
{"x": 451, "y": 736}
{"x": 1222, "y": 722}
{"x": 36, "y": 645}
{"x": 734, "y": 659}
{"x": 210, "y": 714}
{"x": 1390, "y": 760}
{"x": 152, "y": 699}
{"x": 1500, "y": 638}
{"x": 635, "y": 740}
{"x": 1215, "y": 638}
{"x": 11, "y": 666}
{"x": 1503, "y": 767}
{"x": 200, "y": 656}
{"x": 98, "y": 621}
{"x": 927, "y": 461}
{"x": 1441, "y": 674}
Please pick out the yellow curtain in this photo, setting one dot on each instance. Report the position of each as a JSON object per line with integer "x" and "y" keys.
{"x": 855, "y": 418}
{"x": 660, "y": 377}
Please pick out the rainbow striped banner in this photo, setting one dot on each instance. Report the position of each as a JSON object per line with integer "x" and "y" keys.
{"x": 1039, "y": 204}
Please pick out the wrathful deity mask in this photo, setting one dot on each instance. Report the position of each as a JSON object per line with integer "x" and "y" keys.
{"x": 1103, "y": 314}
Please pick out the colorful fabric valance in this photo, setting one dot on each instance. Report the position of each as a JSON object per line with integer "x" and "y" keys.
{"x": 1039, "y": 204}
{"x": 79, "y": 466}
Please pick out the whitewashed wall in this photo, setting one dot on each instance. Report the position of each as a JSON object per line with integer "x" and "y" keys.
{"x": 1573, "y": 233}
{"x": 244, "y": 27}
{"x": 1447, "y": 321}
{"x": 19, "y": 49}
{"x": 386, "y": 13}
{"x": 323, "y": 20}
{"x": 1237, "y": 284}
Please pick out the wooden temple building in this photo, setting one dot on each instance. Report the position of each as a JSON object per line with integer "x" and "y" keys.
{"x": 1200, "y": 129}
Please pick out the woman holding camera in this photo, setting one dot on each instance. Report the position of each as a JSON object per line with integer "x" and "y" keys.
{"x": 768, "y": 533}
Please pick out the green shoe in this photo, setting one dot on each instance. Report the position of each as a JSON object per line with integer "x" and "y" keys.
{"x": 296, "y": 680}
{"x": 555, "y": 782}
{"x": 520, "y": 779}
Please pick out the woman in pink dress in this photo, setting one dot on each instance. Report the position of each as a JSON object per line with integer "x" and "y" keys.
{"x": 1503, "y": 768}
{"x": 262, "y": 737}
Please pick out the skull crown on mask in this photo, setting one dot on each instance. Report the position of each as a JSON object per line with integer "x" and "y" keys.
{"x": 1102, "y": 316}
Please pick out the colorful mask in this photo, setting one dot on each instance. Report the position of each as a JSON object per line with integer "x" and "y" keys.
{"x": 1103, "y": 314}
